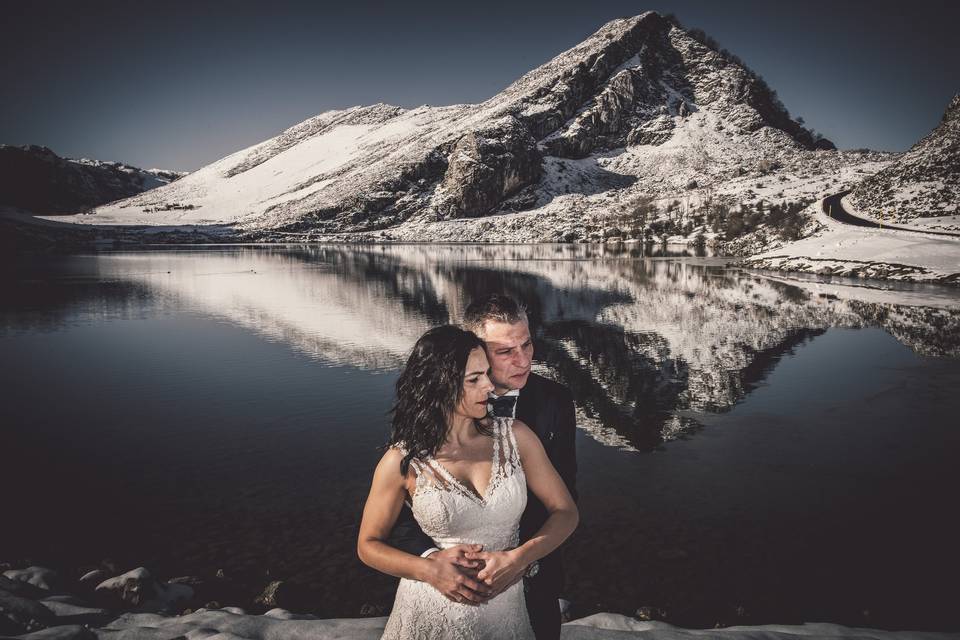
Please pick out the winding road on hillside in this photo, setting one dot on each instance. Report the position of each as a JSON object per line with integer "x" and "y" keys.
{"x": 833, "y": 208}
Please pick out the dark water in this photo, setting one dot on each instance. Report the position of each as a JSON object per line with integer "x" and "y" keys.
{"x": 752, "y": 448}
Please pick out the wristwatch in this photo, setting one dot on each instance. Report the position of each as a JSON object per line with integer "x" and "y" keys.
{"x": 532, "y": 570}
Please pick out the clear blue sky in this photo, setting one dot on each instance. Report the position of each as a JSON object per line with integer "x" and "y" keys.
{"x": 180, "y": 84}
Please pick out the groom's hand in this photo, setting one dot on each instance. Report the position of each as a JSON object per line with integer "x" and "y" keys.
{"x": 502, "y": 569}
{"x": 455, "y": 576}
{"x": 457, "y": 555}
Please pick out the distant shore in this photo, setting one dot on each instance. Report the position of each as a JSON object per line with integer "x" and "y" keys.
{"x": 835, "y": 250}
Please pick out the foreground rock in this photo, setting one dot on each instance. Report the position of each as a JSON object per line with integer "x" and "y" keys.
{"x": 140, "y": 590}
{"x": 35, "y": 615}
{"x": 37, "y": 576}
{"x": 19, "y": 614}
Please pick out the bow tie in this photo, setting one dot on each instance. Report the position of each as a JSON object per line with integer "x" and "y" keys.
{"x": 503, "y": 406}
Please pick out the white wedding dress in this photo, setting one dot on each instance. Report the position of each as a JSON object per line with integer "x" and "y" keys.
{"x": 451, "y": 514}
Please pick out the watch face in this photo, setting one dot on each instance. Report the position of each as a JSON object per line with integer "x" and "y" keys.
{"x": 532, "y": 570}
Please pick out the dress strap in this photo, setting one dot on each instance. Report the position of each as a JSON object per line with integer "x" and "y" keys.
{"x": 415, "y": 463}
{"x": 496, "y": 468}
{"x": 510, "y": 457}
{"x": 417, "y": 466}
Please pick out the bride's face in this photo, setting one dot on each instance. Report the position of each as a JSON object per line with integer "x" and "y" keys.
{"x": 476, "y": 386}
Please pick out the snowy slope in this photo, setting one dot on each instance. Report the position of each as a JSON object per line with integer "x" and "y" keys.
{"x": 838, "y": 249}
{"x": 925, "y": 182}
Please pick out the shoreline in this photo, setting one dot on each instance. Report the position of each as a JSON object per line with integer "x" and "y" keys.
{"x": 106, "y": 596}
{"x": 36, "y": 603}
{"x": 832, "y": 249}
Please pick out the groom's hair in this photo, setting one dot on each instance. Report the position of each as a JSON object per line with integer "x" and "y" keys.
{"x": 496, "y": 307}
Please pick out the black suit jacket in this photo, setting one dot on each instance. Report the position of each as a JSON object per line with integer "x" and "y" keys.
{"x": 547, "y": 408}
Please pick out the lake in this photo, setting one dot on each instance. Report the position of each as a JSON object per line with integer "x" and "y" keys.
{"x": 753, "y": 447}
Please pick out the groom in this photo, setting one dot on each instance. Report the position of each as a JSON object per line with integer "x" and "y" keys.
{"x": 547, "y": 408}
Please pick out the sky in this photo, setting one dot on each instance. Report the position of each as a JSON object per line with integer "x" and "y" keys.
{"x": 178, "y": 85}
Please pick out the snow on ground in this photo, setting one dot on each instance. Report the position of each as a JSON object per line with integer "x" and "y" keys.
{"x": 278, "y": 624}
{"x": 27, "y": 603}
{"x": 609, "y": 625}
{"x": 825, "y": 172}
{"x": 842, "y": 250}
{"x": 938, "y": 223}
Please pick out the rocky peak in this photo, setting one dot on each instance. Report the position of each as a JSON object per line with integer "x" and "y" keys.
{"x": 953, "y": 110}
{"x": 623, "y": 84}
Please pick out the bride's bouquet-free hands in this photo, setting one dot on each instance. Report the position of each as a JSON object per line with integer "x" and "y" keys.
{"x": 499, "y": 570}
{"x": 456, "y": 576}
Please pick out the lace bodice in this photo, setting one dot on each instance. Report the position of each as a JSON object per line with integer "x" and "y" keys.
{"x": 451, "y": 514}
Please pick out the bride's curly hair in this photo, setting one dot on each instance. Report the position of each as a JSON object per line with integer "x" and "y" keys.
{"x": 428, "y": 391}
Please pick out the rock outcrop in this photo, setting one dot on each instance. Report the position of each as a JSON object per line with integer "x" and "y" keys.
{"x": 138, "y": 589}
{"x": 485, "y": 167}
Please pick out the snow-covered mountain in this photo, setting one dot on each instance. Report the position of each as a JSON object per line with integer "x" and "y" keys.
{"x": 35, "y": 179}
{"x": 641, "y": 109}
{"x": 925, "y": 182}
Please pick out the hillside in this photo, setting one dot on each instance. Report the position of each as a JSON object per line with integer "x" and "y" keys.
{"x": 924, "y": 183}
{"x": 37, "y": 180}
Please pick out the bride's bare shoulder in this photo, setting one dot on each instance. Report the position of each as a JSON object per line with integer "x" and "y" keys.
{"x": 521, "y": 426}
{"x": 526, "y": 438}
{"x": 393, "y": 453}
{"x": 389, "y": 469}
{"x": 389, "y": 466}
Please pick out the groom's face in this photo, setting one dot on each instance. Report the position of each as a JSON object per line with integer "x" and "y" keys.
{"x": 510, "y": 352}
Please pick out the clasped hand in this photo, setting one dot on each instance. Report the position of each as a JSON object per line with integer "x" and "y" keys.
{"x": 455, "y": 576}
{"x": 500, "y": 570}
{"x": 466, "y": 574}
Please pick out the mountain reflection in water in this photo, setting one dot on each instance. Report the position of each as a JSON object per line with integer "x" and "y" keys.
{"x": 645, "y": 344}
{"x": 194, "y": 409}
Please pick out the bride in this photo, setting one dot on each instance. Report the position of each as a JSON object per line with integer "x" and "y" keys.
{"x": 465, "y": 476}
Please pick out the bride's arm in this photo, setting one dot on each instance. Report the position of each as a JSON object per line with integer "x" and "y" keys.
{"x": 503, "y": 568}
{"x": 387, "y": 492}
{"x": 545, "y": 483}
{"x": 384, "y": 502}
